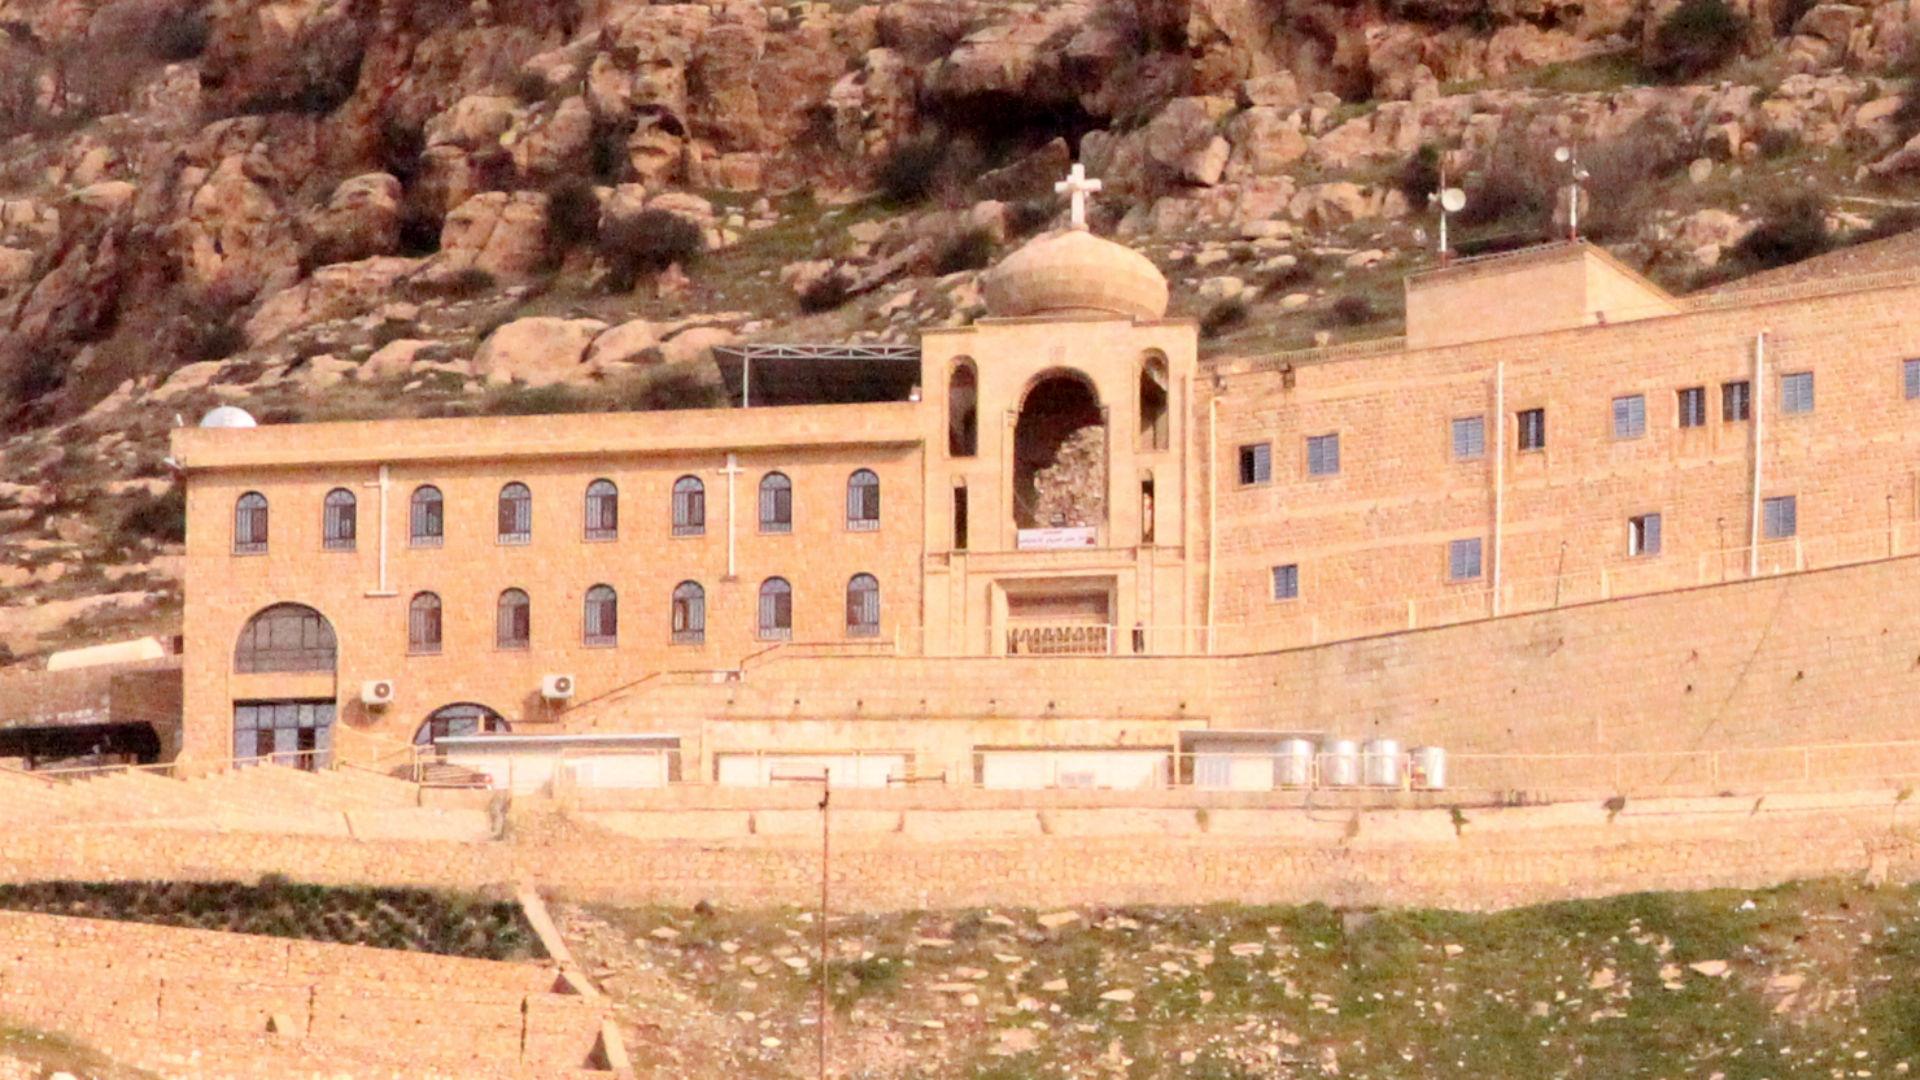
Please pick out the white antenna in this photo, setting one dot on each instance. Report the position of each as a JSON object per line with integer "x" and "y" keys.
{"x": 1565, "y": 156}
{"x": 1452, "y": 200}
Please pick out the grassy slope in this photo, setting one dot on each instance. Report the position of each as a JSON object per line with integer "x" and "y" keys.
{"x": 1819, "y": 983}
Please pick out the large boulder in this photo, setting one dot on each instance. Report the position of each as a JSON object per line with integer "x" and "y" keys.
{"x": 331, "y": 292}
{"x": 538, "y": 351}
{"x": 501, "y": 233}
{"x": 231, "y": 236}
{"x": 359, "y": 221}
{"x": 554, "y": 144}
{"x": 1265, "y": 141}
{"x": 632, "y": 342}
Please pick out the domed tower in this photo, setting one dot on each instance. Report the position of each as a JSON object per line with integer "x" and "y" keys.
{"x": 1057, "y": 463}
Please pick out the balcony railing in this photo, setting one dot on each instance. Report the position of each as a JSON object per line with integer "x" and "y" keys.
{"x": 1060, "y": 640}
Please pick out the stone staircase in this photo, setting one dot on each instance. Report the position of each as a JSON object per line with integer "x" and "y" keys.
{"x": 209, "y": 1006}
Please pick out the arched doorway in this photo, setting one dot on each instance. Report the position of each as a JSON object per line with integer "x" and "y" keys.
{"x": 1060, "y": 455}
{"x": 288, "y": 723}
{"x": 465, "y": 718}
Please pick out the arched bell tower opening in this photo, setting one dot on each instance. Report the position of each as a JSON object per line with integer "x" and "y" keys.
{"x": 1060, "y": 455}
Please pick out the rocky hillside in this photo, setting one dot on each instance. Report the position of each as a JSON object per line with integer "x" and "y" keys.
{"x": 1810, "y": 980}
{"x": 345, "y": 208}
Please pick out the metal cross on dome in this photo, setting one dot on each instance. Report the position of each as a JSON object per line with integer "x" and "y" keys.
{"x": 1077, "y": 187}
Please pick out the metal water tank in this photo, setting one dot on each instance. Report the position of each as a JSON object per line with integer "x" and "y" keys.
{"x": 1380, "y": 763}
{"x": 1339, "y": 763}
{"x": 1429, "y": 768}
{"x": 1293, "y": 763}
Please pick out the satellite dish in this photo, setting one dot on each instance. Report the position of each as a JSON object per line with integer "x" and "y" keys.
{"x": 228, "y": 416}
{"x": 1453, "y": 200}
{"x": 1562, "y": 154}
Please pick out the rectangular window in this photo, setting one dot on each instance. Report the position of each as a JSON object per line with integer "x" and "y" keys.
{"x": 1629, "y": 416}
{"x": 1286, "y": 582}
{"x": 1256, "y": 464}
{"x": 1796, "y": 393}
{"x": 1736, "y": 401}
{"x": 1781, "y": 517}
{"x": 1692, "y": 404}
{"x": 960, "y": 519}
{"x": 1532, "y": 424}
{"x": 1910, "y": 370}
{"x": 1643, "y": 535}
{"x": 1146, "y": 510}
{"x": 1323, "y": 455}
{"x": 1463, "y": 559}
{"x": 1469, "y": 438}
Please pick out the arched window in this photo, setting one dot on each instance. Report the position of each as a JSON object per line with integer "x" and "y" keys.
{"x": 465, "y": 718}
{"x": 427, "y": 517}
{"x": 603, "y": 510}
{"x": 250, "y": 524}
{"x": 286, "y": 638}
{"x": 689, "y": 507}
{"x": 863, "y": 606}
{"x": 776, "y": 610}
{"x": 963, "y": 392}
{"x": 1153, "y": 402}
{"x": 689, "y": 613}
{"x": 339, "y": 523}
{"x": 516, "y": 514}
{"x": 776, "y": 503}
{"x": 514, "y": 627}
{"x": 602, "y": 617}
{"x": 863, "y": 501}
{"x": 423, "y": 624}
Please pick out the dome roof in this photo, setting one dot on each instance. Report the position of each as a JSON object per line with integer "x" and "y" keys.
{"x": 228, "y": 416}
{"x": 1076, "y": 272}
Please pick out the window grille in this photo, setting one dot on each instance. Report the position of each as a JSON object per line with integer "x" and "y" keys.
{"x": 516, "y": 514}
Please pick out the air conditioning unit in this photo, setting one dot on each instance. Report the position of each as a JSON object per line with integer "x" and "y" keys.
{"x": 556, "y": 687}
{"x": 376, "y": 693}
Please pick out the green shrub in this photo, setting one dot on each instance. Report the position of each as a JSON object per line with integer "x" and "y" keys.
{"x": 1222, "y": 317}
{"x": 1697, "y": 37}
{"x": 179, "y": 36}
{"x": 573, "y": 215}
{"x": 161, "y": 518}
{"x": 531, "y": 87}
{"x": 1351, "y": 310}
{"x": 913, "y": 172}
{"x": 647, "y": 244}
{"x": 1792, "y": 231}
{"x": 672, "y": 388}
{"x": 1420, "y": 176}
{"x": 969, "y": 249}
{"x": 825, "y": 294}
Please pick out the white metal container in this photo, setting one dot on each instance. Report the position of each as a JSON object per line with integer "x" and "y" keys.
{"x": 1429, "y": 768}
{"x": 1293, "y": 763}
{"x": 1380, "y": 763}
{"x": 1339, "y": 763}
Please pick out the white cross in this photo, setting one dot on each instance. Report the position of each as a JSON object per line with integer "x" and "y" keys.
{"x": 1077, "y": 187}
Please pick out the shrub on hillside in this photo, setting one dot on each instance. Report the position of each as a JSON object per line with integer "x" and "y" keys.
{"x": 1351, "y": 310}
{"x": 913, "y": 172}
{"x": 1697, "y": 37}
{"x": 647, "y": 244}
{"x": 179, "y": 36}
{"x": 160, "y": 518}
{"x": 1420, "y": 176}
{"x": 672, "y": 388}
{"x": 826, "y": 293}
{"x": 969, "y": 249}
{"x": 1222, "y": 317}
{"x": 1791, "y": 231}
{"x": 573, "y": 215}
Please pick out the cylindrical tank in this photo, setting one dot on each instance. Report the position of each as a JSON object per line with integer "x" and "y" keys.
{"x": 1339, "y": 763}
{"x": 1429, "y": 768}
{"x": 1293, "y": 763}
{"x": 1380, "y": 763}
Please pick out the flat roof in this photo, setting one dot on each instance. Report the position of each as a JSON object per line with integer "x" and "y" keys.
{"x": 495, "y": 438}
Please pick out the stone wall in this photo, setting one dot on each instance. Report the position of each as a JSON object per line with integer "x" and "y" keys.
{"x": 143, "y": 992}
{"x": 1491, "y": 858}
